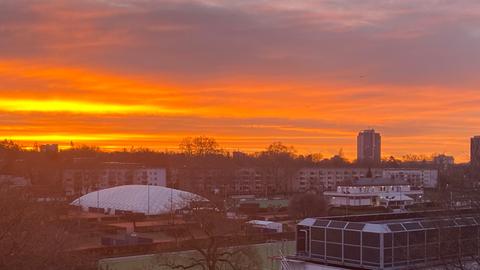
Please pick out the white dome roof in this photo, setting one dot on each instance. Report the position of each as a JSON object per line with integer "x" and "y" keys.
{"x": 150, "y": 200}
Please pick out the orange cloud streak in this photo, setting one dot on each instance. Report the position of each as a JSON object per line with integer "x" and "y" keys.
{"x": 321, "y": 118}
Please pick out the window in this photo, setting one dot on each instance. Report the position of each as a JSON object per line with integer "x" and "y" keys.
{"x": 432, "y": 236}
{"x": 416, "y": 238}
{"x": 370, "y": 239}
{"x": 468, "y": 232}
{"x": 432, "y": 251}
{"x": 318, "y": 248}
{"x": 412, "y": 226}
{"x": 301, "y": 240}
{"x": 318, "y": 234}
{"x": 371, "y": 255}
{"x": 399, "y": 254}
{"x": 334, "y": 250}
{"x": 334, "y": 235}
{"x": 337, "y": 224}
{"x": 400, "y": 239}
{"x": 351, "y": 252}
{"x": 387, "y": 240}
{"x": 395, "y": 227}
{"x": 321, "y": 223}
{"x": 417, "y": 252}
{"x": 447, "y": 234}
{"x": 355, "y": 226}
{"x": 387, "y": 256}
{"x": 351, "y": 237}
{"x": 468, "y": 247}
{"x": 449, "y": 249}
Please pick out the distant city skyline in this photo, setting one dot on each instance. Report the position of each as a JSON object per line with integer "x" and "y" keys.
{"x": 310, "y": 74}
{"x": 363, "y": 137}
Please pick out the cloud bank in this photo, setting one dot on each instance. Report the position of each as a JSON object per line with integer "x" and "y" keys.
{"x": 309, "y": 73}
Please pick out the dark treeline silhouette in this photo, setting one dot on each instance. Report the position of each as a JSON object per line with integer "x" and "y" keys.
{"x": 199, "y": 153}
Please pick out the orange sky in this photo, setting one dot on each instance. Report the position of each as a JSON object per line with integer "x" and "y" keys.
{"x": 311, "y": 74}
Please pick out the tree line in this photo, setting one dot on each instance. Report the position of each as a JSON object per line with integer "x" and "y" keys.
{"x": 194, "y": 152}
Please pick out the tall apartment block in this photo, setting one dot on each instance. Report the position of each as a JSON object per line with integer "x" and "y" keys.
{"x": 368, "y": 147}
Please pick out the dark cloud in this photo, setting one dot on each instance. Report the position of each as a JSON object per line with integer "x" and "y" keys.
{"x": 307, "y": 72}
{"x": 419, "y": 43}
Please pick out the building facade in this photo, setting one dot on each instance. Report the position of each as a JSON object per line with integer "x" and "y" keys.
{"x": 375, "y": 192}
{"x": 420, "y": 178}
{"x": 475, "y": 151}
{"x": 321, "y": 179}
{"x": 201, "y": 180}
{"x": 443, "y": 162}
{"x": 327, "y": 179}
{"x": 263, "y": 181}
{"x": 420, "y": 240}
{"x": 243, "y": 180}
{"x": 14, "y": 181}
{"x": 266, "y": 182}
{"x": 80, "y": 180}
{"x": 49, "y": 148}
{"x": 369, "y": 147}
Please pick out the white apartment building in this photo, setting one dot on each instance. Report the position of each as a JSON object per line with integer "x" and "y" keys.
{"x": 14, "y": 181}
{"x": 80, "y": 180}
{"x": 321, "y": 179}
{"x": 258, "y": 181}
{"x": 151, "y": 176}
{"x": 375, "y": 192}
{"x": 426, "y": 178}
{"x": 267, "y": 181}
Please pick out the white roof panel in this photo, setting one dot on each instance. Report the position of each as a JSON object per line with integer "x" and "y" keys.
{"x": 150, "y": 200}
{"x": 307, "y": 222}
{"x": 376, "y": 228}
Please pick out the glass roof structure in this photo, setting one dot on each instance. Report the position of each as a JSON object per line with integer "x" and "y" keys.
{"x": 146, "y": 199}
{"x": 390, "y": 241}
{"x": 389, "y": 226}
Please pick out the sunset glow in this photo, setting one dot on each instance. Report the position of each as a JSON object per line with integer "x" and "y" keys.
{"x": 148, "y": 73}
{"x": 71, "y": 107}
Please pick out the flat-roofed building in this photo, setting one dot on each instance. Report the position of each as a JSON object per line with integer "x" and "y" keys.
{"x": 14, "y": 181}
{"x": 443, "y": 161}
{"x": 414, "y": 240}
{"x": 375, "y": 192}
{"x": 49, "y": 148}
{"x": 369, "y": 147}
{"x": 85, "y": 177}
{"x": 475, "y": 151}
{"x": 424, "y": 178}
{"x": 322, "y": 179}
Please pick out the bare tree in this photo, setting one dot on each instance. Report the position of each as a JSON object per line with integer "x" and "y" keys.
{"x": 306, "y": 205}
{"x": 199, "y": 146}
{"x": 215, "y": 240}
{"x": 459, "y": 238}
{"x": 278, "y": 165}
{"x": 32, "y": 236}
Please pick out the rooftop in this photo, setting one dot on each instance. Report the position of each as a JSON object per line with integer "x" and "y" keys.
{"x": 396, "y": 222}
{"x": 378, "y": 182}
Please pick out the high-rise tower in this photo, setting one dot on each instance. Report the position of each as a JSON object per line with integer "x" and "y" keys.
{"x": 368, "y": 147}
